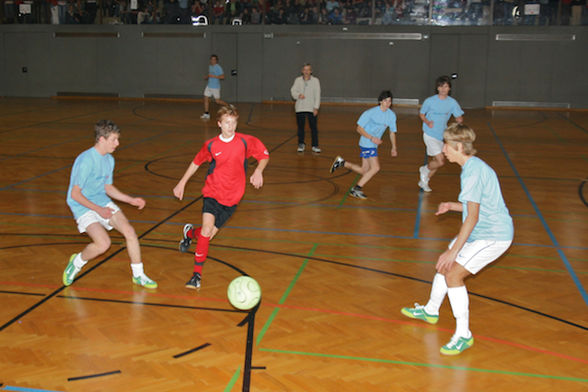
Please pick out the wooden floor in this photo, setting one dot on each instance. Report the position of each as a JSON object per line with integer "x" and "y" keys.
{"x": 335, "y": 271}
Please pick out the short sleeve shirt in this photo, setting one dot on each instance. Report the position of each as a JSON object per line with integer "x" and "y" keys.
{"x": 479, "y": 184}
{"x": 439, "y": 111}
{"x": 375, "y": 122}
{"x": 91, "y": 171}
{"x": 217, "y": 71}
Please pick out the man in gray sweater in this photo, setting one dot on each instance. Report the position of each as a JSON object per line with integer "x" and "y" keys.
{"x": 306, "y": 91}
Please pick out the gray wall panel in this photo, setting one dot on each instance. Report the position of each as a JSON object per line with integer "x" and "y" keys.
{"x": 354, "y": 63}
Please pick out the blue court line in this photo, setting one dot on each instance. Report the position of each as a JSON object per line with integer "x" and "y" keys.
{"x": 11, "y": 388}
{"x": 543, "y": 221}
{"x": 417, "y": 223}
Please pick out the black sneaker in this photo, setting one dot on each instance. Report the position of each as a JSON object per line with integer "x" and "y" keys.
{"x": 194, "y": 282}
{"x": 337, "y": 163}
{"x": 186, "y": 241}
{"x": 301, "y": 147}
{"x": 357, "y": 193}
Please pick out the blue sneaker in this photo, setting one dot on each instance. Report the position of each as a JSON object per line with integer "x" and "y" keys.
{"x": 457, "y": 345}
{"x": 70, "y": 271}
{"x": 418, "y": 312}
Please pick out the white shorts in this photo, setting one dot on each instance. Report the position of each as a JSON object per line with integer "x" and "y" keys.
{"x": 477, "y": 254}
{"x": 434, "y": 146}
{"x": 92, "y": 217}
{"x": 212, "y": 92}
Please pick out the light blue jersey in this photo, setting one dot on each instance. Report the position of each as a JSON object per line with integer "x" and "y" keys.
{"x": 91, "y": 172}
{"x": 479, "y": 184}
{"x": 439, "y": 111}
{"x": 375, "y": 122}
{"x": 215, "y": 70}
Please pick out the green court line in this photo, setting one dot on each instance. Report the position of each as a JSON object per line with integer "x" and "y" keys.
{"x": 284, "y": 297}
{"x": 430, "y": 365}
{"x": 233, "y": 380}
{"x": 346, "y": 195}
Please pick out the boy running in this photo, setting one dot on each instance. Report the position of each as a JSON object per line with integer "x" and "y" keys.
{"x": 224, "y": 185}
{"x": 89, "y": 198}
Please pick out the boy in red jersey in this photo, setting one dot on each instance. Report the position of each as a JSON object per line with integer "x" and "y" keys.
{"x": 224, "y": 185}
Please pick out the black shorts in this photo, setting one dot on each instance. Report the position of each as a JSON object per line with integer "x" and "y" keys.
{"x": 221, "y": 212}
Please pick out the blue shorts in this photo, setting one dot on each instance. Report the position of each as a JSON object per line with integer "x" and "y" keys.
{"x": 368, "y": 152}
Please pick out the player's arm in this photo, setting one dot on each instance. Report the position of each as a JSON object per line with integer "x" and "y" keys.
{"x": 256, "y": 178}
{"x": 393, "y": 141}
{"x": 114, "y": 193}
{"x": 448, "y": 257}
{"x": 364, "y": 133}
{"x": 296, "y": 90}
{"x": 317, "y": 99}
{"x": 179, "y": 188}
{"x": 425, "y": 120}
{"x": 449, "y": 206}
{"x": 77, "y": 195}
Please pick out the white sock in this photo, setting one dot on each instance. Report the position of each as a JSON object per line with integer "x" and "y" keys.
{"x": 78, "y": 262}
{"x": 137, "y": 269}
{"x": 459, "y": 300}
{"x": 438, "y": 292}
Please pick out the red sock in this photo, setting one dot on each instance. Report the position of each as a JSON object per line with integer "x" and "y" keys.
{"x": 194, "y": 233}
{"x": 201, "y": 252}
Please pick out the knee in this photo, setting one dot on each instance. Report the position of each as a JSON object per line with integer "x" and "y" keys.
{"x": 129, "y": 232}
{"x": 103, "y": 245}
{"x": 453, "y": 279}
{"x": 375, "y": 168}
{"x": 206, "y": 230}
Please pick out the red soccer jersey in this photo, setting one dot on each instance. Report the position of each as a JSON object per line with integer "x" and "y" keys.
{"x": 225, "y": 181}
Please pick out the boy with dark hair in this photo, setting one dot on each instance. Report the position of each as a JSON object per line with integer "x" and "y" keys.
{"x": 224, "y": 185}
{"x": 371, "y": 126}
{"x": 89, "y": 198}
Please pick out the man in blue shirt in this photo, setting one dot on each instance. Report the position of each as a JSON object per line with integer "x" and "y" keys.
{"x": 213, "y": 87}
{"x": 371, "y": 126}
{"x": 485, "y": 234}
{"x": 435, "y": 113}
{"x": 89, "y": 198}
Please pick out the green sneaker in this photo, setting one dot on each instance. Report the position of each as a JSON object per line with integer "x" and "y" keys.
{"x": 144, "y": 281}
{"x": 418, "y": 312}
{"x": 456, "y": 345}
{"x": 70, "y": 271}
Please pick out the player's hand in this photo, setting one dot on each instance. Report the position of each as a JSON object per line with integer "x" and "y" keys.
{"x": 301, "y": 96}
{"x": 443, "y": 208}
{"x": 138, "y": 202}
{"x": 105, "y": 212}
{"x": 179, "y": 191}
{"x": 445, "y": 262}
{"x": 394, "y": 153}
{"x": 376, "y": 140}
{"x": 315, "y": 112}
{"x": 429, "y": 124}
{"x": 256, "y": 179}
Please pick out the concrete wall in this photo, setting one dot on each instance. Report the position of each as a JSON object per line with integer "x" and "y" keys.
{"x": 501, "y": 65}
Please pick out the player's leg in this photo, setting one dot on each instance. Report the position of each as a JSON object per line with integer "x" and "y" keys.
{"x": 207, "y": 95}
{"x": 207, "y": 230}
{"x": 430, "y": 312}
{"x": 435, "y": 163}
{"x": 300, "y": 122}
{"x": 99, "y": 245}
{"x": 435, "y": 150}
{"x": 120, "y": 222}
{"x": 312, "y": 122}
{"x": 217, "y": 97}
{"x": 373, "y": 166}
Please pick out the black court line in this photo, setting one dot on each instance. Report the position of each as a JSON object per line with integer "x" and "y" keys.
{"x": 22, "y": 293}
{"x": 581, "y": 192}
{"x": 192, "y": 350}
{"x": 94, "y": 375}
{"x": 126, "y": 302}
{"x": 258, "y": 367}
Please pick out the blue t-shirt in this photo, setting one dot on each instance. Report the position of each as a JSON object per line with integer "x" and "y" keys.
{"x": 217, "y": 71}
{"x": 375, "y": 122}
{"x": 479, "y": 184}
{"x": 439, "y": 111}
{"x": 91, "y": 172}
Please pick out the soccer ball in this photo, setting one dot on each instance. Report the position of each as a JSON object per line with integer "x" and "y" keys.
{"x": 244, "y": 292}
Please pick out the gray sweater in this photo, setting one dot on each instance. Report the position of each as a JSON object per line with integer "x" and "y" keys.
{"x": 311, "y": 89}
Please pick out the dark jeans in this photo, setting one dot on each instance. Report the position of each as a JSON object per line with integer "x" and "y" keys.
{"x": 300, "y": 116}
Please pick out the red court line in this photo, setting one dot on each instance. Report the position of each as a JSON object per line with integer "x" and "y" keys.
{"x": 318, "y": 310}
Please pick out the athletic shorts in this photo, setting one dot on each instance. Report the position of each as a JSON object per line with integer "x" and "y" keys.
{"x": 212, "y": 92}
{"x": 92, "y": 217}
{"x": 477, "y": 254}
{"x": 221, "y": 212}
{"x": 368, "y": 152}
{"x": 434, "y": 146}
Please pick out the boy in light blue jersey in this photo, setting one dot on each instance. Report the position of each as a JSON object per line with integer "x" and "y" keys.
{"x": 485, "y": 234}
{"x": 435, "y": 113}
{"x": 371, "y": 126}
{"x": 89, "y": 198}
{"x": 213, "y": 87}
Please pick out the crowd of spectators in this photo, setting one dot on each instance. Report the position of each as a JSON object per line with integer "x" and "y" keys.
{"x": 332, "y": 12}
